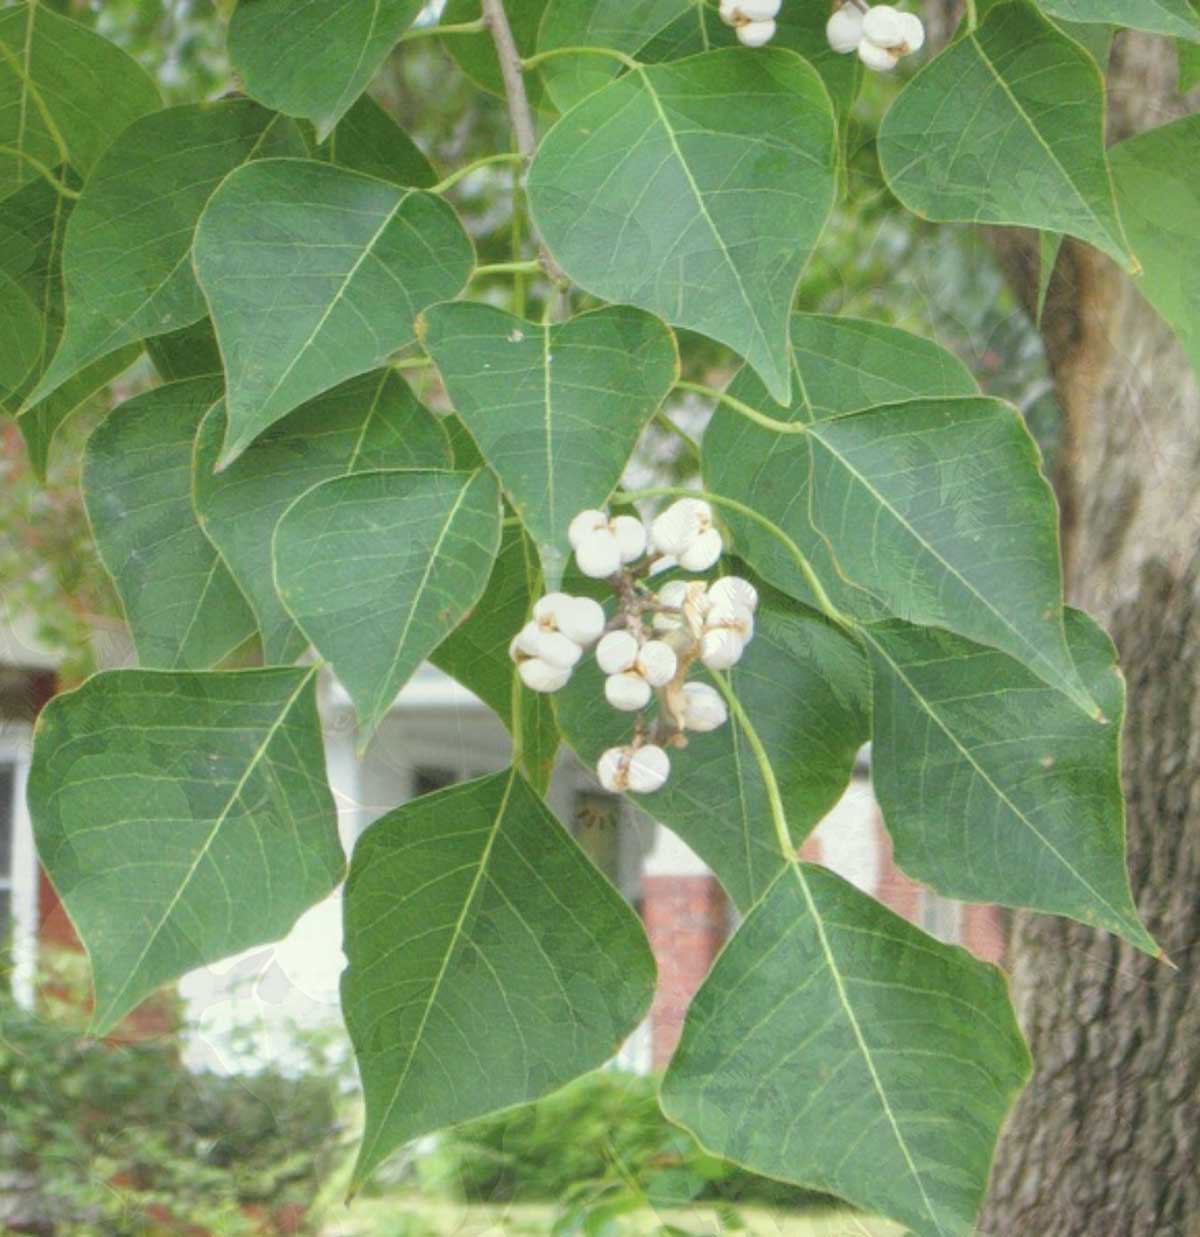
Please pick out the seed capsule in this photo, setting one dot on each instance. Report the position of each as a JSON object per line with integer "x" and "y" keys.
{"x": 617, "y": 652}
{"x": 627, "y": 692}
{"x": 703, "y": 707}
{"x": 753, "y": 34}
{"x": 541, "y": 676}
{"x": 844, "y": 29}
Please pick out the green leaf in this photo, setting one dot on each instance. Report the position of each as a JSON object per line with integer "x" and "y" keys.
{"x": 843, "y": 365}
{"x": 185, "y": 610}
{"x": 994, "y": 788}
{"x": 295, "y": 318}
{"x": 190, "y": 352}
{"x": 1049, "y": 247}
{"x": 21, "y": 330}
{"x": 314, "y": 60}
{"x": 377, "y": 569}
{"x": 368, "y": 140}
{"x": 1013, "y": 152}
{"x": 939, "y": 509}
{"x": 39, "y": 424}
{"x": 371, "y": 422}
{"x": 489, "y": 962}
{"x": 836, "y": 1046}
{"x": 1189, "y": 65}
{"x": 695, "y": 190}
{"x": 556, "y": 410}
{"x": 181, "y": 818}
{"x": 1158, "y": 185}
{"x": 806, "y": 686}
{"x": 65, "y": 93}
{"x": 655, "y": 31}
{"x": 126, "y": 261}
{"x": 476, "y": 653}
{"x": 475, "y": 54}
{"x": 1175, "y": 17}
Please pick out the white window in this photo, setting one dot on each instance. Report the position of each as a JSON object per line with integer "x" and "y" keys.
{"x": 18, "y": 864}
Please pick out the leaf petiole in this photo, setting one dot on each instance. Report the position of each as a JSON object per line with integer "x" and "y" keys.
{"x": 531, "y": 267}
{"x": 458, "y": 174}
{"x": 531, "y": 62}
{"x": 752, "y": 414}
{"x": 60, "y": 187}
{"x": 478, "y": 26}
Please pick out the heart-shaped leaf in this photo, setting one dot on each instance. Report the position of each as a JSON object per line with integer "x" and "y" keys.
{"x": 1175, "y": 17}
{"x": 126, "y": 261}
{"x": 489, "y": 961}
{"x": 377, "y": 569}
{"x": 371, "y": 422}
{"x": 1158, "y": 185}
{"x": 476, "y": 653}
{"x": 475, "y": 54}
{"x": 836, "y": 1046}
{"x": 314, "y": 60}
{"x": 842, "y": 365}
{"x": 185, "y": 610}
{"x": 556, "y": 410}
{"x": 295, "y": 318}
{"x": 1017, "y": 153}
{"x": 190, "y": 352}
{"x": 21, "y": 329}
{"x": 65, "y": 93}
{"x": 806, "y": 686}
{"x": 368, "y": 140}
{"x": 1019, "y": 799}
{"x": 181, "y": 818}
{"x": 695, "y": 190}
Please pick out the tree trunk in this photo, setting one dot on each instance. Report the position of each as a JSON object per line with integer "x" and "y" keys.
{"x": 1106, "y": 1141}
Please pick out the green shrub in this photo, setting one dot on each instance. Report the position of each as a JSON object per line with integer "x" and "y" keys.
{"x": 603, "y": 1131}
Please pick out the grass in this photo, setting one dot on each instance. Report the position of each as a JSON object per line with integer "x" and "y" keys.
{"x": 416, "y": 1216}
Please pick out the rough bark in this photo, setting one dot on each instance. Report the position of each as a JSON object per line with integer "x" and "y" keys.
{"x": 1106, "y": 1141}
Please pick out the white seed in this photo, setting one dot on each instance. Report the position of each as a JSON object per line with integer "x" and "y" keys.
{"x": 844, "y": 28}
{"x": 657, "y": 663}
{"x": 541, "y": 676}
{"x": 914, "y": 32}
{"x": 545, "y": 609}
{"x": 729, "y": 12}
{"x": 598, "y": 555}
{"x": 627, "y": 692}
{"x": 756, "y": 33}
{"x": 883, "y": 25}
{"x": 524, "y": 643}
{"x": 557, "y": 649}
{"x": 580, "y": 619}
{"x": 759, "y": 10}
{"x": 703, "y": 552}
{"x": 721, "y": 649}
{"x": 617, "y": 652}
{"x": 613, "y": 769}
{"x": 631, "y": 537}
{"x": 585, "y": 522}
{"x": 881, "y": 59}
{"x": 733, "y": 590}
{"x": 649, "y": 768}
{"x": 703, "y": 707}
{"x": 731, "y": 617}
{"x": 679, "y": 525}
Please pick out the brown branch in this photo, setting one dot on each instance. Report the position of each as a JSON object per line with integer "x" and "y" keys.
{"x": 519, "y": 111}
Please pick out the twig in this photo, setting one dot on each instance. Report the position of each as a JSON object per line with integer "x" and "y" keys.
{"x": 519, "y": 112}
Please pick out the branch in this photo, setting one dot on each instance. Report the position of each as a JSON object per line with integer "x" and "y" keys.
{"x": 519, "y": 112}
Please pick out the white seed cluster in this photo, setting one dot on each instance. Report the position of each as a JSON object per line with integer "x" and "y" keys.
{"x": 880, "y": 34}
{"x": 754, "y": 20}
{"x": 654, "y": 638}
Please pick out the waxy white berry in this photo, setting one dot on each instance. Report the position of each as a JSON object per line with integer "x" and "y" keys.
{"x": 844, "y": 29}
{"x": 755, "y": 34}
{"x": 734, "y": 591}
{"x": 617, "y": 652}
{"x": 541, "y": 676}
{"x": 657, "y": 663}
{"x": 703, "y": 552}
{"x": 550, "y": 646}
{"x": 721, "y": 649}
{"x": 628, "y": 691}
{"x": 598, "y": 554}
{"x": 884, "y": 26}
{"x": 578, "y": 618}
{"x": 631, "y": 537}
{"x": 703, "y": 707}
{"x": 589, "y": 521}
{"x": 881, "y": 59}
{"x": 642, "y": 770}
{"x": 679, "y": 525}
{"x": 731, "y": 617}
{"x": 914, "y": 32}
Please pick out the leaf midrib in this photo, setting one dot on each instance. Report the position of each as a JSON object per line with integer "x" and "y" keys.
{"x": 101, "y": 1021}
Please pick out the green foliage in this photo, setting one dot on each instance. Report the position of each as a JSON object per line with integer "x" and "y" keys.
{"x": 283, "y": 486}
{"x": 103, "y": 1137}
